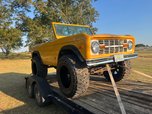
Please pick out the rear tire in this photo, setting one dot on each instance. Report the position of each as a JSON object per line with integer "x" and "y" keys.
{"x": 122, "y": 69}
{"x": 73, "y": 76}
{"x": 38, "y": 69}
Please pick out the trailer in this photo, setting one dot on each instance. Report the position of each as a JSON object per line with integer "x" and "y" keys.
{"x": 99, "y": 98}
{"x": 45, "y": 94}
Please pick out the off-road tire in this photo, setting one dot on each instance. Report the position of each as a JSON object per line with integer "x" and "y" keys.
{"x": 124, "y": 69}
{"x": 78, "y": 76}
{"x": 38, "y": 97}
{"x": 38, "y": 69}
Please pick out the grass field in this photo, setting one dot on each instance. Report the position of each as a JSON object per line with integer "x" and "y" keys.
{"x": 144, "y": 62}
{"x": 23, "y": 55}
{"x": 13, "y": 95}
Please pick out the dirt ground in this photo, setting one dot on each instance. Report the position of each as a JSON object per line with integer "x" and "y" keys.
{"x": 13, "y": 95}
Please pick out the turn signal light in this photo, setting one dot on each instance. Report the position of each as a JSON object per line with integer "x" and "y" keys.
{"x": 125, "y": 45}
{"x": 102, "y": 46}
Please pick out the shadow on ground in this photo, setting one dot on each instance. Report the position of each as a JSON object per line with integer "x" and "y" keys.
{"x": 13, "y": 85}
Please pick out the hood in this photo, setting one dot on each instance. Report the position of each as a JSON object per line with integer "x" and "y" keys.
{"x": 110, "y": 36}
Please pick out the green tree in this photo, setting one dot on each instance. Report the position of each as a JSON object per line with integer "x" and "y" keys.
{"x": 10, "y": 37}
{"x": 47, "y": 11}
{"x": 140, "y": 45}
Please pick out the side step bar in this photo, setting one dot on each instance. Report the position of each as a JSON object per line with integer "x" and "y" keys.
{"x": 50, "y": 95}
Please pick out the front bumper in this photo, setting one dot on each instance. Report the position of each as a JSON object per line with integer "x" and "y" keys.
{"x": 96, "y": 62}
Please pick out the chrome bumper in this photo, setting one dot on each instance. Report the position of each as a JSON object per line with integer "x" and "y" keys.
{"x": 95, "y": 62}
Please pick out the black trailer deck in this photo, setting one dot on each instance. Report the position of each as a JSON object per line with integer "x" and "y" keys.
{"x": 100, "y": 97}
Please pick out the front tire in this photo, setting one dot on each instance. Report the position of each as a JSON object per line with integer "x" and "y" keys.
{"x": 73, "y": 76}
{"x": 121, "y": 70}
{"x": 38, "y": 69}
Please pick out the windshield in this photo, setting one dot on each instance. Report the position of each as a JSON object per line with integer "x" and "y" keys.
{"x": 67, "y": 30}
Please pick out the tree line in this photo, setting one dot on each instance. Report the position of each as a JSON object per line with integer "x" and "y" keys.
{"x": 15, "y": 23}
{"x": 142, "y": 45}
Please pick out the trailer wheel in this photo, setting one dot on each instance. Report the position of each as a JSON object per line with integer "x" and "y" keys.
{"x": 73, "y": 76}
{"x": 30, "y": 90}
{"x": 38, "y": 69}
{"x": 121, "y": 69}
{"x": 38, "y": 97}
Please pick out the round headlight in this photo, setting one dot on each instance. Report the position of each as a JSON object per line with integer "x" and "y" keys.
{"x": 95, "y": 47}
{"x": 130, "y": 45}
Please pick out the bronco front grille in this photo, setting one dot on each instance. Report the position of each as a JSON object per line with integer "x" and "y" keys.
{"x": 112, "y": 46}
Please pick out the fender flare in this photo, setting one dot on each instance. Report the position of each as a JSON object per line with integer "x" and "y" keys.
{"x": 73, "y": 49}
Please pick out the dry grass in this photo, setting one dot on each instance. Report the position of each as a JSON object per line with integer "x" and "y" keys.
{"x": 17, "y": 66}
{"x": 23, "y": 55}
{"x": 143, "y": 64}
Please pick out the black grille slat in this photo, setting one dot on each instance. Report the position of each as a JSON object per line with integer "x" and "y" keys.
{"x": 121, "y": 49}
{"x": 112, "y": 50}
{"x": 106, "y": 42}
{"x": 106, "y": 50}
{"x": 125, "y": 49}
{"x": 116, "y": 42}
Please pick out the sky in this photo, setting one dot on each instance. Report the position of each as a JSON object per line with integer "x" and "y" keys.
{"x": 123, "y": 17}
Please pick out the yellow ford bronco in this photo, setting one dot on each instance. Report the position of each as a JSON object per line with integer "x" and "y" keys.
{"x": 76, "y": 53}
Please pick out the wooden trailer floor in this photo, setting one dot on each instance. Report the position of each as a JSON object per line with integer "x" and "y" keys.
{"x": 100, "y": 97}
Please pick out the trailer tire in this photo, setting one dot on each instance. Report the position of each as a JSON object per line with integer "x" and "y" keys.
{"x": 30, "y": 90}
{"x": 73, "y": 76}
{"x": 38, "y": 97}
{"x": 121, "y": 70}
{"x": 38, "y": 69}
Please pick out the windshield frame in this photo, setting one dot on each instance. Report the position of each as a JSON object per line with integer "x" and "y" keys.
{"x": 60, "y": 36}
